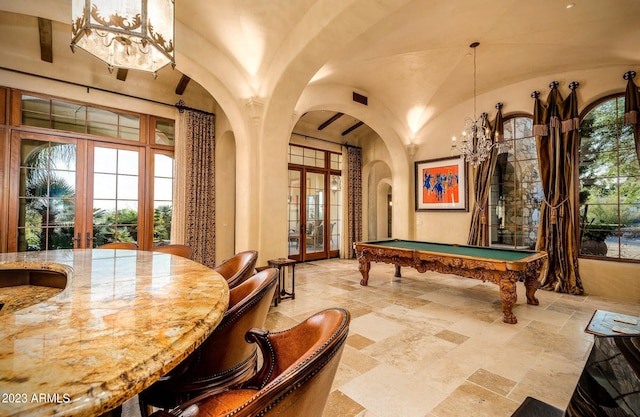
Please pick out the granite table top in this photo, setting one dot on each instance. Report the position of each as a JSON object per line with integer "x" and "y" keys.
{"x": 118, "y": 321}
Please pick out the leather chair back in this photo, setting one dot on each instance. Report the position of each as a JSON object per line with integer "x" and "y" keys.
{"x": 175, "y": 249}
{"x": 238, "y": 268}
{"x": 295, "y": 380}
{"x": 119, "y": 245}
{"x": 225, "y": 358}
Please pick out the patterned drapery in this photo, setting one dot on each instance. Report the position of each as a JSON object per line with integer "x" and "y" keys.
{"x": 632, "y": 108}
{"x": 478, "y": 232}
{"x": 555, "y": 126}
{"x": 200, "y": 204}
{"x": 354, "y": 198}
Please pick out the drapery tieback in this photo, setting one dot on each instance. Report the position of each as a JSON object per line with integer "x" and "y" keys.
{"x": 631, "y": 118}
{"x": 483, "y": 217}
{"x": 554, "y": 209}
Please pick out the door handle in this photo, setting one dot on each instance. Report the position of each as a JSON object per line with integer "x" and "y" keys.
{"x": 76, "y": 241}
{"x": 89, "y": 241}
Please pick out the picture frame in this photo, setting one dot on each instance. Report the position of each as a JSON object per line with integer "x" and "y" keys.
{"x": 441, "y": 184}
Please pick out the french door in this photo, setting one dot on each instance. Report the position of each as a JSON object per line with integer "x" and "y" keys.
{"x": 73, "y": 193}
{"x": 308, "y": 217}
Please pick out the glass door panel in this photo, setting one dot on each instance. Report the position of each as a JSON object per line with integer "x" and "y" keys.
{"x": 294, "y": 214}
{"x": 314, "y": 210}
{"x": 115, "y": 195}
{"x": 163, "y": 175}
{"x": 46, "y": 217}
{"x": 335, "y": 212}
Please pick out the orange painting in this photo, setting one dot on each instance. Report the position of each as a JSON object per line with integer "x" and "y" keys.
{"x": 440, "y": 184}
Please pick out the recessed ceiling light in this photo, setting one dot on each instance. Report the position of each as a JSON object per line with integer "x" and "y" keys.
{"x": 570, "y": 5}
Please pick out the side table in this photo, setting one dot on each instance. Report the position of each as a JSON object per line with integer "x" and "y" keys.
{"x": 607, "y": 323}
{"x": 281, "y": 291}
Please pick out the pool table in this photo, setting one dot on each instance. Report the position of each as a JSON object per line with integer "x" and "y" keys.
{"x": 503, "y": 267}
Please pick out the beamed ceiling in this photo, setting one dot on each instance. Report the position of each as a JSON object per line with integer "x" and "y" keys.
{"x": 333, "y": 126}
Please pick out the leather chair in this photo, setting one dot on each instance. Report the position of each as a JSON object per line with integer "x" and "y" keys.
{"x": 238, "y": 268}
{"x": 119, "y": 245}
{"x": 296, "y": 377}
{"x": 225, "y": 358}
{"x": 175, "y": 249}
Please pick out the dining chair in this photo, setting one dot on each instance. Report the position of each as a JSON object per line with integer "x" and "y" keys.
{"x": 295, "y": 379}
{"x": 238, "y": 268}
{"x": 175, "y": 249}
{"x": 119, "y": 245}
{"x": 225, "y": 358}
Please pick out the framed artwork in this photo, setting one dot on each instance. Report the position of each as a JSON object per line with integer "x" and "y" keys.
{"x": 441, "y": 184}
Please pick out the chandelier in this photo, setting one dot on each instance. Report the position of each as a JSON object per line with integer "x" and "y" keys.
{"x": 133, "y": 34}
{"x": 477, "y": 142}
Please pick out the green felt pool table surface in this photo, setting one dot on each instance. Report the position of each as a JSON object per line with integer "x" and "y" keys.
{"x": 450, "y": 249}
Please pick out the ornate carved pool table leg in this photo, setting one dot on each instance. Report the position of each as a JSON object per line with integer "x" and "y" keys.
{"x": 509, "y": 298}
{"x": 397, "y": 274}
{"x": 533, "y": 275}
{"x": 364, "y": 270}
{"x": 531, "y": 285}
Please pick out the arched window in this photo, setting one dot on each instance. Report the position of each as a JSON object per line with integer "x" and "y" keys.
{"x": 609, "y": 183}
{"x": 516, "y": 191}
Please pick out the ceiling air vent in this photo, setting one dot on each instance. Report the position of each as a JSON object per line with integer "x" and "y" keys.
{"x": 359, "y": 98}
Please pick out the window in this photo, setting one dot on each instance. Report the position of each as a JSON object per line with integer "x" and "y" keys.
{"x": 163, "y": 176}
{"x": 79, "y": 118}
{"x": 108, "y": 178}
{"x": 47, "y": 196}
{"x": 164, "y": 132}
{"x": 516, "y": 192}
{"x": 116, "y": 200}
{"x": 609, "y": 184}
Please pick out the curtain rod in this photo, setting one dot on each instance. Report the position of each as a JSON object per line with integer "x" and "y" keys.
{"x": 104, "y": 90}
{"x": 181, "y": 108}
{"x": 345, "y": 144}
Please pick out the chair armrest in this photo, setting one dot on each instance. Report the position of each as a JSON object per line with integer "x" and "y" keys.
{"x": 264, "y": 374}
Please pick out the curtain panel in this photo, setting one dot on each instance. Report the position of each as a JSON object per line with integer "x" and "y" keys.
{"x": 354, "y": 196}
{"x": 479, "y": 232}
{"x": 200, "y": 202}
{"x": 632, "y": 108}
{"x": 555, "y": 126}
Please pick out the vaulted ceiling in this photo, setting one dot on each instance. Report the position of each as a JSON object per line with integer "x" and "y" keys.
{"x": 412, "y": 56}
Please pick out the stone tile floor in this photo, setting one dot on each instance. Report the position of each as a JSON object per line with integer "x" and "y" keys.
{"x": 434, "y": 345}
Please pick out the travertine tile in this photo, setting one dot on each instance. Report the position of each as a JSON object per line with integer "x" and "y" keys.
{"x": 551, "y": 379}
{"x": 409, "y": 350}
{"x": 492, "y": 382}
{"x": 452, "y": 337}
{"x": 358, "y": 341}
{"x": 387, "y": 392}
{"x": 432, "y": 345}
{"x": 339, "y": 404}
{"x": 472, "y": 400}
{"x": 358, "y": 360}
{"x": 375, "y": 327}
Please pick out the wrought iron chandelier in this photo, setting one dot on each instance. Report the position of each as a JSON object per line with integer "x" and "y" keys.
{"x": 133, "y": 34}
{"x": 477, "y": 142}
